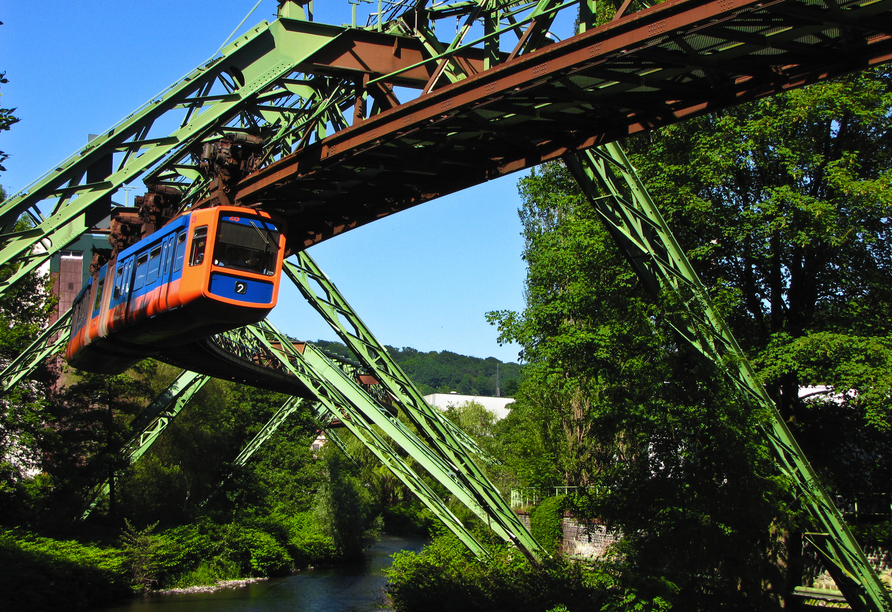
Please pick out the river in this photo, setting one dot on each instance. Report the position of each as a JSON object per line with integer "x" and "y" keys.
{"x": 358, "y": 587}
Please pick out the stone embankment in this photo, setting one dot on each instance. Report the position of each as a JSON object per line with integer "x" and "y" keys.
{"x": 209, "y": 588}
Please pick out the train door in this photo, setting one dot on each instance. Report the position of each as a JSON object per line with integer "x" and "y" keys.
{"x": 106, "y": 299}
{"x": 121, "y": 296}
{"x": 164, "y": 275}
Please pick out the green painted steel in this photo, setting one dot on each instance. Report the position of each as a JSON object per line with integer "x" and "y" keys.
{"x": 440, "y": 434}
{"x": 259, "y": 83}
{"x": 620, "y": 198}
{"x": 265, "y": 433}
{"x": 367, "y": 419}
{"x": 251, "y": 73}
{"x": 50, "y": 342}
{"x": 146, "y": 427}
{"x": 271, "y": 426}
{"x": 328, "y": 301}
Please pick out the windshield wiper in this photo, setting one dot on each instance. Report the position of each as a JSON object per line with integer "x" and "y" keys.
{"x": 262, "y": 237}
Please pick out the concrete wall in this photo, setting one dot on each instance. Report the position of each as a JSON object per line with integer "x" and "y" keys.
{"x": 580, "y": 539}
{"x": 589, "y": 540}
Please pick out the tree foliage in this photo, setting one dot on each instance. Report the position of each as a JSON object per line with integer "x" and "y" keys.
{"x": 445, "y": 371}
{"x": 783, "y": 207}
{"x": 612, "y": 404}
{"x": 25, "y": 411}
{"x": 7, "y": 119}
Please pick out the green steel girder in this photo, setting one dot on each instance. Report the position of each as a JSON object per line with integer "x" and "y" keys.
{"x": 252, "y": 70}
{"x": 326, "y": 417}
{"x": 363, "y": 416}
{"x": 146, "y": 427}
{"x": 271, "y": 426}
{"x": 52, "y": 340}
{"x": 327, "y": 300}
{"x": 438, "y": 432}
{"x": 254, "y": 85}
{"x": 624, "y": 205}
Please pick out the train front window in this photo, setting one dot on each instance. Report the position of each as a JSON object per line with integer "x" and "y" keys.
{"x": 248, "y": 244}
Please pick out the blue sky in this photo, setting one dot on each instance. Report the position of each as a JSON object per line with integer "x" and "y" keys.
{"x": 423, "y": 278}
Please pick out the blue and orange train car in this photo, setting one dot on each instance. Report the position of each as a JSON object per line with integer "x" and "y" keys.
{"x": 205, "y": 272}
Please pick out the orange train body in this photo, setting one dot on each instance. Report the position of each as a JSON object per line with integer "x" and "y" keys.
{"x": 203, "y": 273}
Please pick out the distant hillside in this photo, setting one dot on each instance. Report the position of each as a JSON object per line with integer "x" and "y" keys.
{"x": 445, "y": 371}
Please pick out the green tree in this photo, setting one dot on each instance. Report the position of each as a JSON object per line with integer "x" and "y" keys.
{"x": 784, "y": 207}
{"x": 474, "y": 419}
{"x": 7, "y": 119}
{"x": 88, "y": 427}
{"x": 611, "y": 403}
{"x": 343, "y": 505}
{"x": 25, "y": 419}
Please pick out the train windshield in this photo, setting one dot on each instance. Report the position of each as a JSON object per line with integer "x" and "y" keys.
{"x": 247, "y": 243}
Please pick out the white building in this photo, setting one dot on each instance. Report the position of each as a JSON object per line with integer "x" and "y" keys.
{"x": 496, "y": 405}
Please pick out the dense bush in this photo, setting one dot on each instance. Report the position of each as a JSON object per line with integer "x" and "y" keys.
{"x": 546, "y": 522}
{"x": 445, "y": 576}
{"x": 45, "y": 574}
{"x": 879, "y": 534}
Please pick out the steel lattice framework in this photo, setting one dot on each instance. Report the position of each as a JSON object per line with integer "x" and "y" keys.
{"x": 359, "y": 123}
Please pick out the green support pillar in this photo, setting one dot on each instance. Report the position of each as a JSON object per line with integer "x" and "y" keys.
{"x": 367, "y": 419}
{"x": 441, "y": 435}
{"x": 309, "y": 278}
{"x": 51, "y": 341}
{"x": 624, "y": 205}
{"x": 146, "y": 427}
{"x": 249, "y": 77}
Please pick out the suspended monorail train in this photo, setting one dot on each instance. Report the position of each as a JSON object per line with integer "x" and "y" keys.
{"x": 205, "y": 272}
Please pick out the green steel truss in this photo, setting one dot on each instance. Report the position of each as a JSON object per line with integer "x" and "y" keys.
{"x": 620, "y": 198}
{"x": 51, "y": 341}
{"x": 253, "y": 83}
{"x": 146, "y": 427}
{"x": 287, "y": 409}
{"x": 323, "y": 416}
{"x": 260, "y": 83}
{"x": 322, "y": 295}
{"x": 370, "y": 421}
{"x": 438, "y": 432}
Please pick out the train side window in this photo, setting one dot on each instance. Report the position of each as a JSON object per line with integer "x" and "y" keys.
{"x": 75, "y": 318}
{"x": 99, "y": 294}
{"x": 141, "y": 265}
{"x": 119, "y": 282}
{"x": 181, "y": 252}
{"x": 167, "y": 257}
{"x": 199, "y": 242}
{"x": 128, "y": 276}
{"x": 154, "y": 264}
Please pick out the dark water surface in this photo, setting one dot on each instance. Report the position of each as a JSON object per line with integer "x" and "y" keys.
{"x": 356, "y": 587}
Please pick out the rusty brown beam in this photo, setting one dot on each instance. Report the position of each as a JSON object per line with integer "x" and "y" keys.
{"x": 649, "y": 69}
